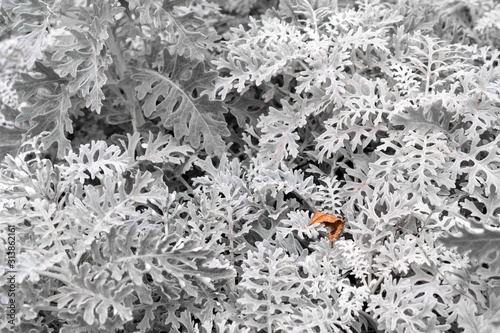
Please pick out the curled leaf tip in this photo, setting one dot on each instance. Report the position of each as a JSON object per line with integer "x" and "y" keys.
{"x": 331, "y": 221}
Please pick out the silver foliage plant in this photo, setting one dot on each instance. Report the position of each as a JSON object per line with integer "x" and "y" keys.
{"x": 162, "y": 161}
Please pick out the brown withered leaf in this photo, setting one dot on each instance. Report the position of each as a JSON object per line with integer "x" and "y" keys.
{"x": 331, "y": 221}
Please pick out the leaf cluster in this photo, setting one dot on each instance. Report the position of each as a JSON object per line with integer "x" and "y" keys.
{"x": 162, "y": 161}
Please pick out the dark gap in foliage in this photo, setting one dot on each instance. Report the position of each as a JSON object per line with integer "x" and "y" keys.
{"x": 93, "y": 181}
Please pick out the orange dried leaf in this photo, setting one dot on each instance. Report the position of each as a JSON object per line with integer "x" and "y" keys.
{"x": 331, "y": 221}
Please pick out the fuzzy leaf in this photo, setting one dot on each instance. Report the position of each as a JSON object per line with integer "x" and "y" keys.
{"x": 175, "y": 95}
{"x": 96, "y": 159}
{"x": 11, "y": 132}
{"x": 190, "y": 43}
{"x": 33, "y": 23}
{"x": 164, "y": 149}
{"x": 94, "y": 293}
{"x": 186, "y": 31}
{"x": 480, "y": 165}
{"x": 83, "y": 57}
{"x": 481, "y": 243}
{"x": 48, "y": 106}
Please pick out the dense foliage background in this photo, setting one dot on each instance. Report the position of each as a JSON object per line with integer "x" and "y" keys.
{"x": 162, "y": 161}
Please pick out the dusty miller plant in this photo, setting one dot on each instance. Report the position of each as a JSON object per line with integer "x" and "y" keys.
{"x": 162, "y": 161}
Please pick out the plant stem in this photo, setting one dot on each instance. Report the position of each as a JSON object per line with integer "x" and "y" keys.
{"x": 55, "y": 276}
{"x": 121, "y": 68}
